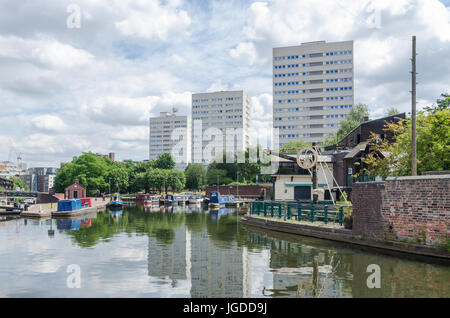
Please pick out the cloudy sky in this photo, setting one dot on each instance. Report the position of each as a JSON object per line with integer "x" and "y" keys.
{"x": 65, "y": 90}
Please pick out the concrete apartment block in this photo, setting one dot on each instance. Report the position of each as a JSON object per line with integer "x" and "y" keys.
{"x": 171, "y": 133}
{"x": 312, "y": 89}
{"x": 215, "y": 114}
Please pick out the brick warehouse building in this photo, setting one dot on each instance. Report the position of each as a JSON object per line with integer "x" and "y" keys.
{"x": 75, "y": 191}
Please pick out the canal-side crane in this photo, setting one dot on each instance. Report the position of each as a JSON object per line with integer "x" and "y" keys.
{"x": 308, "y": 159}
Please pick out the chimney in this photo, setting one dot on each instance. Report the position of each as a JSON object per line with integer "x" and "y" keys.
{"x": 366, "y": 117}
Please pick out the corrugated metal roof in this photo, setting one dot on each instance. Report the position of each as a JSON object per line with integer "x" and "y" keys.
{"x": 360, "y": 147}
{"x": 322, "y": 158}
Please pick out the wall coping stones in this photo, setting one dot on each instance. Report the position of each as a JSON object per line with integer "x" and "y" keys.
{"x": 423, "y": 177}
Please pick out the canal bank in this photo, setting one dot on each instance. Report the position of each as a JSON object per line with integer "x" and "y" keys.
{"x": 340, "y": 234}
{"x": 403, "y": 214}
{"x": 50, "y": 210}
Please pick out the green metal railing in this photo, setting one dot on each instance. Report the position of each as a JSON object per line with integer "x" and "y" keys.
{"x": 323, "y": 211}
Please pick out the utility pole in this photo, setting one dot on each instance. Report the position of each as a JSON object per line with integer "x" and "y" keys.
{"x": 314, "y": 177}
{"x": 237, "y": 187}
{"x": 413, "y": 110}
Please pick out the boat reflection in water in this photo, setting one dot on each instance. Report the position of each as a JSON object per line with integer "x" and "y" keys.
{"x": 216, "y": 214}
{"x": 115, "y": 213}
{"x": 73, "y": 224}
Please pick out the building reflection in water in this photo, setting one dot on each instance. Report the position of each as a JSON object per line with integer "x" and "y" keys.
{"x": 214, "y": 271}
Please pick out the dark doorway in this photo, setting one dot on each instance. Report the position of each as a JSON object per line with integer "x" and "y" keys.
{"x": 302, "y": 193}
{"x": 75, "y": 194}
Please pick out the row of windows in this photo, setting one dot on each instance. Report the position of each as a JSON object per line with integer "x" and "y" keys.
{"x": 342, "y": 70}
{"x": 339, "y": 106}
{"x": 306, "y": 118}
{"x": 290, "y": 57}
{"x": 214, "y": 99}
{"x": 286, "y": 92}
{"x": 294, "y": 109}
{"x": 288, "y": 74}
{"x": 338, "y": 53}
{"x": 159, "y": 126}
{"x": 335, "y": 80}
{"x": 216, "y": 105}
{"x": 287, "y": 118}
{"x": 217, "y": 111}
{"x": 286, "y": 66}
{"x": 296, "y": 57}
{"x": 339, "y": 97}
{"x": 331, "y": 89}
{"x": 287, "y": 83}
{"x": 289, "y": 136}
{"x": 285, "y": 101}
{"x": 287, "y": 127}
{"x": 282, "y": 110}
{"x": 338, "y": 62}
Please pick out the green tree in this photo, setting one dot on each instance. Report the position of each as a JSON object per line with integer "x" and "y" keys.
{"x": 353, "y": 120}
{"x": 214, "y": 175}
{"x": 433, "y": 146}
{"x": 136, "y": 175}
{"x": 294, "y": 145}
{"x": 165, "y": 161}
{"x": 91, "y": 170}
{"x": 392, "y": 111}
{"x": 175, "y": 179}
{"x": 441, "y": 104}
{"x": 246, "y": 171}
{"x": 118, "y": 176}
{"x": 18, "y": 183}
{"x": 157, "y": 179}
{"x": 139, "y": 182}
{"x": 195, "y": 176}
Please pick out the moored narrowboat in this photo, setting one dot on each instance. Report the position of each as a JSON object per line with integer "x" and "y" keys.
{"x": 216, "y": 199}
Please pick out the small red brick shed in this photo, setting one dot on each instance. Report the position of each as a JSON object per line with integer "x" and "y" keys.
{"x": 75, "y": 191}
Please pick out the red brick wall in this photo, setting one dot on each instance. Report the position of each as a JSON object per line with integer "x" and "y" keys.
{"x": 415, "y": 209}
{"x": 70, "y": 189}
{"x": 366, "y": 201}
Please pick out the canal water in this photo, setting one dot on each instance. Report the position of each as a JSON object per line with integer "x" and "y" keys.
{"x": 189, "y": 252}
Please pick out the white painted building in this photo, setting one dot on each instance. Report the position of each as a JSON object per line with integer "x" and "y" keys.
{"x": 313, "y": 89}
{"x": 170, "y": 133}
{"x": 10, "y": 169}
{"x": 220, "y": 120}
{"x": 294, "y": 183}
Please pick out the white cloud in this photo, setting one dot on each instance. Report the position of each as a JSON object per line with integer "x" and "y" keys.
{"x": 130, "y": 111}
{"x": 246, "y": 52}
{"x": 153, "y": 20}
{"x": 44, "y": 51}
{"x": 48, "y": 122}
{"x": 178, "y": 59}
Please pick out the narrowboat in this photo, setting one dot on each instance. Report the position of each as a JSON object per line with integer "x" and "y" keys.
{"x": 195, "y": 199}
{"x": 115, "y": 201}
{"x": 216, "y": 199}
{"x": 180, "y": 199}
{"x": 169, "y": 199}
{"x": 144, "y": 200}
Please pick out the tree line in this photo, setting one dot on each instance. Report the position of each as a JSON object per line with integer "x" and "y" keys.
{"x": 102, "y": 175}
